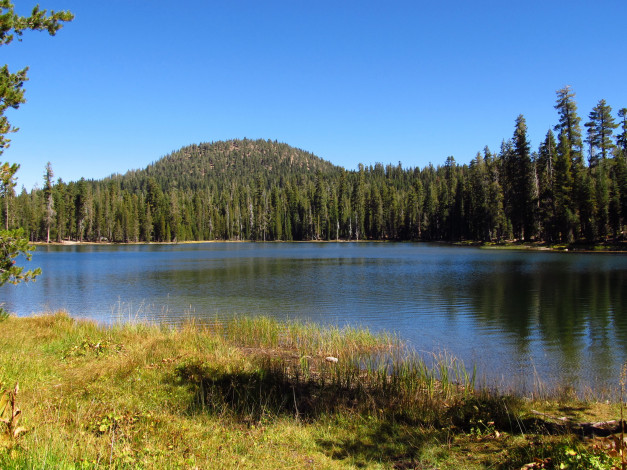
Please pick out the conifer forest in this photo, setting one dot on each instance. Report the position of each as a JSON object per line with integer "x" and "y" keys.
{"x": 572, "y": 188}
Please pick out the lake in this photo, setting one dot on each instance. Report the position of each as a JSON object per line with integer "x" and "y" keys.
{"x": 521, "y": 317}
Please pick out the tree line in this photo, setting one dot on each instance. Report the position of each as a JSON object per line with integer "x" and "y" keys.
{"x": 573, "y": 188}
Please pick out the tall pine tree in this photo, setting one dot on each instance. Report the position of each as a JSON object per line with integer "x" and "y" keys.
{"x": 48, "y": 200}
{"x": 600, "y": 129}
{"x": 569, "y": 121}
{"x": 519, "y": 170}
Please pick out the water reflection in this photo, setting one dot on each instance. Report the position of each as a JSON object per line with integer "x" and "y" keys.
{"x": 519, "y": 316}
{"x": 565, "y": 315}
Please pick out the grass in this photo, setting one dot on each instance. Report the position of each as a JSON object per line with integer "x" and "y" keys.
{"x": 604, "y": 247}
{"x": 258, "y": 393}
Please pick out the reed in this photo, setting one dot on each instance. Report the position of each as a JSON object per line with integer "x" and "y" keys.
{"x": 266, "y": 332}
{"x": 289, "y": 374}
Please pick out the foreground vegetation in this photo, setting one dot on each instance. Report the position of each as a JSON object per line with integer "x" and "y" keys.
{"x": 256, "y": 393}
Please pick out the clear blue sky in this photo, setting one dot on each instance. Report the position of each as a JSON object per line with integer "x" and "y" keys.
{"x": 129, "y": 81}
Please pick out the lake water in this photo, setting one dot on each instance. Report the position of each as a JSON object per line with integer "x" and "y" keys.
{"x": 560, "y": 318}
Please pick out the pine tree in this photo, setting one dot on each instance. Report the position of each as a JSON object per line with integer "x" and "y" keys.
{"x": 431, "y": 204}
{"x": 343, "y": 206}
{"x": 320, "y": 207}
{"x": 586, "y": 196}
{"x": 569, "y": 121}
{"x": 358, "y": 203}
{"x": 621, "y": 139}
{"x": 602, "y": 199}
{"x": 620, "y": 180}
{"x": 497, "y": 221}
{"x": 519, "y": 172}
{"x": 49, "y": 200}
{"x": 564, "y": 217}
{"x": 614, "y": 214}
{"x": 60, "y": 207}
{"x": 600, "y": 129}
{"x": 418, "y": 191}
{"x": 82, "y": 203}
{"x": 545, "y": 168}
{"x": 7, "y": 183}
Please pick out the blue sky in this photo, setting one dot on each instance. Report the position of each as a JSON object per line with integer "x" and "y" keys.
{"x": 129, "y": 81}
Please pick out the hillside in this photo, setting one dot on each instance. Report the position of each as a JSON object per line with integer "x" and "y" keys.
{"x": 202, "y": 166}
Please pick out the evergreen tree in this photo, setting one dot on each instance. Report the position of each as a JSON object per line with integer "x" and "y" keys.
{"x": 497, "y": 220}
{"x": 585, "y": 196}
{"x": 620, "y": 181}
{"x": 478, "y": 211}
{"x": 519, "y": 172}
{"x": 569, "y": 121}
{"x": 614, "y": 209}
{"x": 82, "y": 203}
{"x": 431, "y": 203}
{"x": 49, "y": 200}
{"x": 416, "y": 209}
{"x": 60, "y": 207}
{"x": 602, "y": 199}
{"x": 600, "y": 129}
{"x": 343, "y": 207}
{"x": 7, "y": 183}
{"x": 320, "y": 207}
{"x": 621, "y": 139}
{"x": 545, "y": 169}
{"x": 12, "y": 245}
{"x": 358, "y": 202}
{"x": 564, "y": 216}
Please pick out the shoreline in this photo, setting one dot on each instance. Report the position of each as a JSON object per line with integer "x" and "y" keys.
{"x": 507, "y": 245}
{"x": 192, "y": 242}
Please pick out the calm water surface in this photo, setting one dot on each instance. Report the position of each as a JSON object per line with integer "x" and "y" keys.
{"x": 519, "y": 316}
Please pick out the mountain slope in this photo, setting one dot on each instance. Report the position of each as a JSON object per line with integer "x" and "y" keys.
{"x": 196, "y": 167}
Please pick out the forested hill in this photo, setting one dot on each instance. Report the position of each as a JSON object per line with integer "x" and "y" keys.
{"x": 225, "y": 163}
{"x": 568, "y": 189}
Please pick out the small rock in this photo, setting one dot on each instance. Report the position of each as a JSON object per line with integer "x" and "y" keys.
{"x": 331, "y": 359}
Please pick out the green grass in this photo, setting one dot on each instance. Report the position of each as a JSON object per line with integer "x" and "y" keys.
{"x": 609, "y": 247}
{"x": 258, "y": 393}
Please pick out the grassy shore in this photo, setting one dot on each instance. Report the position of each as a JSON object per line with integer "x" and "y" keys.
{"x": 257, "y": 393}
{"x": 615, "y": 247}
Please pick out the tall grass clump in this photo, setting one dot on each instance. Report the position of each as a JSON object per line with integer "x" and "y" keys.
{"x": 266, "y": 332}
{"x": 305, "y": 370}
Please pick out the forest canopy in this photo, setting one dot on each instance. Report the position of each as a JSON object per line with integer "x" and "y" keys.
{"x": 572, "y": 188}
